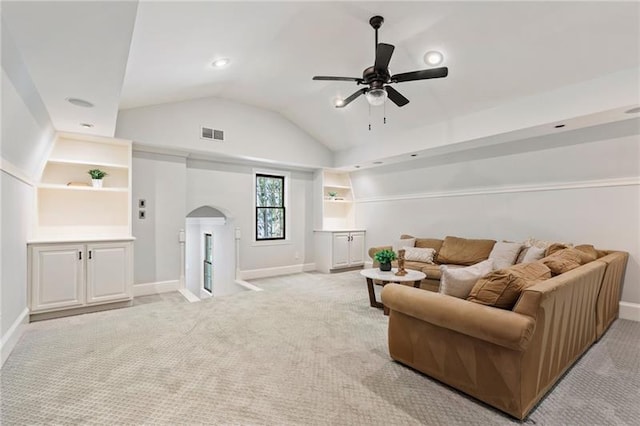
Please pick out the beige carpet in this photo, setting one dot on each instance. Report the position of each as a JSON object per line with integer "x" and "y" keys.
{"x": 307, "y": 350}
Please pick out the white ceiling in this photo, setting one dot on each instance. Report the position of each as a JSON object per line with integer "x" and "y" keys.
{"x": 497, "y": 53}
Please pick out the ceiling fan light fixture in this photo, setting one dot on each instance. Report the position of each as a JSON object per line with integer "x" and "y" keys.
{"x": 220, "y": 63}
{"x": 338, "y": 102}
{"x": 376, "y": 97}
{"x": 433, "y": 58}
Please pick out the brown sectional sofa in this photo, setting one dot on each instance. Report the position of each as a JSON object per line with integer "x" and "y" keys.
{"x": 507, "y": 358}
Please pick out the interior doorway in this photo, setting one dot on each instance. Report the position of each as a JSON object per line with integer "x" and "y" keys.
{"x": 209, "y": 253}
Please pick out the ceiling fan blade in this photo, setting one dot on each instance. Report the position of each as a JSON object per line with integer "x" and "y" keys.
{"x": 352, "y": 98}
{"x": 420, "y": 75}
{"x": 396, "y": 97}
{"x": 383, "y": 56}
{"x": 326, "y": 78}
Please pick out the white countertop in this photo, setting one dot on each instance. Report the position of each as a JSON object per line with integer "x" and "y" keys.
{"x": 78, "y": 239}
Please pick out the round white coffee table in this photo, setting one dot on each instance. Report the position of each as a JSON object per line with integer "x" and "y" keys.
{"x": 387, "y": 277}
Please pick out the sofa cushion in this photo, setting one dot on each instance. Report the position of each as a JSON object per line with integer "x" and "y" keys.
{"x": 555, "y": 247}
{"x": 458, "y": 282}
{"x": 418, "y": 254}
{"x": 433, "y": 243}
{"x": 590, "y": 253}
{"x": 502, "y": 288}
{"x": 433, "y": 272}
{"x": 530, "y": 254}
{"x": 563, "y": 261}
{"x": 504, "y": 254}
{"x": 464, "y": 251}
{"x": 416, "y": 266}
{"x": 403, "y": 243}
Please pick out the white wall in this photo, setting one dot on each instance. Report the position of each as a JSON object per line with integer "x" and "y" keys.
{"x": 586, "y": 193}
{"x": 161, "y": 181}
{"x": 230, "y": 188}
{"x": 249, "y": 132}
{"x": 27, "y": 135}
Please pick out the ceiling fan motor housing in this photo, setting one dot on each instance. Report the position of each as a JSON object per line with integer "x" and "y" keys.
{"x": 376, "y": 78}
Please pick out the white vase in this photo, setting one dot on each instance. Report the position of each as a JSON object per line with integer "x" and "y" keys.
{"x": 97, "y": 183}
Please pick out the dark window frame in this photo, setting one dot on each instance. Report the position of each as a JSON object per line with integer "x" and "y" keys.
{"x": 282, "y": 207}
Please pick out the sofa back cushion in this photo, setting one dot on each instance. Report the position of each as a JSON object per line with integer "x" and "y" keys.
{"x": 502, "y": 288}
{"x": 433, "y": 243}
{"x": 565, "y": 260}
{"x": 464, "y": 251}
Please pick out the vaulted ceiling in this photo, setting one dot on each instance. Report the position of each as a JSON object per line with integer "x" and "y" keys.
{"x": 498, "y": 53}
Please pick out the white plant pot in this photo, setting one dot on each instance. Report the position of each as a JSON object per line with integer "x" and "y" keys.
{"x": 97, "y": 183}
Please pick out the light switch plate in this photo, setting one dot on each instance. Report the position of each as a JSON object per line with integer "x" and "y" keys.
{"x": 142, "y": 203}
{"x": 142, "y": 214}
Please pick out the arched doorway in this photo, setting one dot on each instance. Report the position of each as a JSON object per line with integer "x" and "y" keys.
{"x": 209, "y": 253}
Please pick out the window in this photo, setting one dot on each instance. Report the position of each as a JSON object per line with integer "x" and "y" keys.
{"x": 270, "y": 207}
{"x": 208, "y": 263}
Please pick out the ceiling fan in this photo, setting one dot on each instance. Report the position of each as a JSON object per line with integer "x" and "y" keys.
{"x": 378, "y": 78}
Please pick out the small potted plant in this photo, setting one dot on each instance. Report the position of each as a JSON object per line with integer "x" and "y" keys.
{"x": 96, "y": 177}
{"x": 332, "y": 195}
{"x": 384, "y": 258}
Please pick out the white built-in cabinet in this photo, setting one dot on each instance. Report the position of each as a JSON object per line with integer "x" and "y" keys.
{"x": 80, "y": 249}
{"x": 335, "y": 250}
{"x": 338, "y": 243}
{"x": 74, "y": 275}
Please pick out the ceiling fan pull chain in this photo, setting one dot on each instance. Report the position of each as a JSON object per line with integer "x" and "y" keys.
{"x": 384, "y": 106}
{"x": 369, "y": 117}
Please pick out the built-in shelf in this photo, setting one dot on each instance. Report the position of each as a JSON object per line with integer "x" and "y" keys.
{"x": 339, "y": 201}
{"x": 86, "y": 162}
{"x": 338, "y": 186}
{"x": 66, "y": 208}
{"x": 79, "y": 188}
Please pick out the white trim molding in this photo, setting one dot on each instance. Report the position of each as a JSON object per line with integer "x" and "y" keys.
{"x": 15, "y": 171}
{"x": 601, "y": 183}
{"x": 146, "y": 289}
{"x": 250, "y": 274}
{"x": 248, "y": 285}
{"x": 191, "y": 298}
{"x": 13, "y": 335}
{"x": 630, "y": 311}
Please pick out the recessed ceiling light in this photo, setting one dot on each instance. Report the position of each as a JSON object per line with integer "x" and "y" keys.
{"x": 558, "y": 126}
{"x": 220, "y": 63}
{"x": 633, "y": 110}
{"x": 79, "y": 102}
{"x": 433, "y": 58}
{"x": 86, "y": 125}
{"x": 377, "y": 162}
{"x": 339, "y": 102}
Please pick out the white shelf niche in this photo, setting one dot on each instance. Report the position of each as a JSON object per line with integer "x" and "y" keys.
{"x": 82, "y": 149}
{"x": 59, "y": 173}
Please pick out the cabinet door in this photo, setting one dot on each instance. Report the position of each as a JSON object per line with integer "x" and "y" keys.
{"x": 109, "y": 274}
{"x": 340, "y": 250}
{"x": 356, "y": 249}
{"x": 57, "y": 277}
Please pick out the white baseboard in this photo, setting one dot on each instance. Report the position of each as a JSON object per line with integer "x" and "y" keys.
{"x": 251, "y": 274}
{"x": 247, "y": 285}
{"x": 146, "y": 289}
{"x": 13, "y": 335}
{"x": 192, "y": 298}
{"x": 630, "y": 311}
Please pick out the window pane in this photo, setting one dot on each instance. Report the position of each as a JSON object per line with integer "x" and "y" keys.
{"x": 269, "y": 191}
{"x": 270, "y": 223}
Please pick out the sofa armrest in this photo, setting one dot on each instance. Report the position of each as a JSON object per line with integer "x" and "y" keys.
{"x": 374, "y": 250}
{"x": 501, "y": 327}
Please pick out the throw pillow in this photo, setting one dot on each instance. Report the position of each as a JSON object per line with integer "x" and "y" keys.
{"x": 417, "y": 254}
{"x": 464, "y": 251}
{"x": 563, "y": 261}
{"x": 555, "y": 247}
{"x": 533, "y": 254}
{"x": 504, "y": 254}
{"x": 404, "y": 243}
{"x": 458, "y": 282}
{"x": 503, "y": 287}
{"x": 590, "y": 252}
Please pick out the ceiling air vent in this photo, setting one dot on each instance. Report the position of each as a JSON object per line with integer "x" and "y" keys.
{"x": 211, "y": 134}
